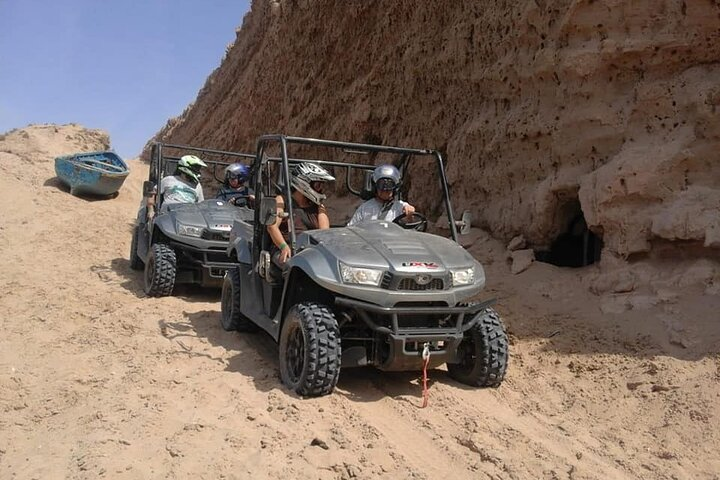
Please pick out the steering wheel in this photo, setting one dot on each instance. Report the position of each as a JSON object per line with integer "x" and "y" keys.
{"x": 414, "y": 221}
{"x": 245, "y": 200}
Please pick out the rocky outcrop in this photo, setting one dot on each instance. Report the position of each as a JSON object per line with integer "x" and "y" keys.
{"x": 544, "y": 110}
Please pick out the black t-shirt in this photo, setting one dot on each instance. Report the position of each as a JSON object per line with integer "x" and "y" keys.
{"x": 305, "y": 218}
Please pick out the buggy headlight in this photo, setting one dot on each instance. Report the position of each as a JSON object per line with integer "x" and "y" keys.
{"x": 362, "y": 276}
{"x": 466, "y": 276}
{"x": 189, "y": 230}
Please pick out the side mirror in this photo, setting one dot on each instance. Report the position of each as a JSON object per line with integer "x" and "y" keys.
{"x": 465, "y": 223}
{"x": 268, "y": 210}
{"x": 148, "y": 188}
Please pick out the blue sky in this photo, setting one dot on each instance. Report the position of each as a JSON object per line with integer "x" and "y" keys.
{"x": 123, "y": 66}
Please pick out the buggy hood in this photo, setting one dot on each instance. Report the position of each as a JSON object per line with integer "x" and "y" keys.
{"x": 387, "y": 245}
{"x": 210, "y": 215}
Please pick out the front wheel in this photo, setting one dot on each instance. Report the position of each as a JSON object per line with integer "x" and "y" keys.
{"x": 230, "y": 316}
{"x": 310, "y": 350}
{"x": 160, "y": 271}
{"x": 483, "y": 353}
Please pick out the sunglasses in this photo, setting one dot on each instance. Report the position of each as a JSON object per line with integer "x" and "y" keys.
{"x": 236, "y": 177}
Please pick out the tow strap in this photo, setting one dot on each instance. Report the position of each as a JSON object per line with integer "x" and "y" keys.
{"x": 426, "y": 362}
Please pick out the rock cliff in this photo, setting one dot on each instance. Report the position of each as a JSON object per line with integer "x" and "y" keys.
{"x": 551, "y": 115}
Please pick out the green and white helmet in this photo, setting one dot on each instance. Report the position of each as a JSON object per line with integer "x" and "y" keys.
{"x": 190, "y": 165}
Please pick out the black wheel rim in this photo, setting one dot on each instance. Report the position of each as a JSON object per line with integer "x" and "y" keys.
{"x": 295, "y": 355}
{"x": 466, "y": 353}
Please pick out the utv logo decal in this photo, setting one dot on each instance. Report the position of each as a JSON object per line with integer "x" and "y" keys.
{"x": 420, "y": 264}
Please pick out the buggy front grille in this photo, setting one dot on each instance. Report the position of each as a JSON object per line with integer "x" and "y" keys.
{"x": 411, "y": 284}
{"x": 392, "y": 282}
{"x": 216, "y": 236}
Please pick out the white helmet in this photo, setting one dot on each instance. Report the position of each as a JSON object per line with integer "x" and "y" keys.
{"x": 190, "y": 165}
{"x": 304, "y": 175}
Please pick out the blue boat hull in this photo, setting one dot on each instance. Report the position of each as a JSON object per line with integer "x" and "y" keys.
{"x": 95, "y": 173}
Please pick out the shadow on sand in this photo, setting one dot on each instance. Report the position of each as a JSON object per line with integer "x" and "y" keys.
{"x": 133, "y": 282}
{"x": 255, "y": 355}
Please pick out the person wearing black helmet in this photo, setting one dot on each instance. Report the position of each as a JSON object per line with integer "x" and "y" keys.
{"x": 308, "y": 183}
{"x": 384, "y": 205}
{"x": 235, "y": 190}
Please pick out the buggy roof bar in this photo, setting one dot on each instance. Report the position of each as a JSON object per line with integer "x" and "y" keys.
{"x": 406, "y": 153}
{"x": 346, "y": 145}
{"x": 207, "y": 150}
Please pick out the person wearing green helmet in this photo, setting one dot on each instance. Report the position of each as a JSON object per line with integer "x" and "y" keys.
{"x": 184, "y": 185}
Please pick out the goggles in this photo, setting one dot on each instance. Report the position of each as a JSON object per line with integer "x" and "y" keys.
{"x": 385, "y": 184}
{"x": 238, "y": 177}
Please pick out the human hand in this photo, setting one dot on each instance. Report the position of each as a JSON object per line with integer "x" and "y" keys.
{"x": 285, "y": 254}
{"x": 408, "y": 209}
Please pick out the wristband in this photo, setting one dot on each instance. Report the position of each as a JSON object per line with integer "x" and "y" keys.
{"x": 282, "y": 246}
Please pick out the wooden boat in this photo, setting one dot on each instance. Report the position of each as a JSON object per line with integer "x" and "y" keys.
{"x": 93, "y": 173}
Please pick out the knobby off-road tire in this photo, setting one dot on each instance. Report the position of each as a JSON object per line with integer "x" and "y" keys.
{"x": 135, "y": 262}
{"x": 483, "y": 353}
{"x": 310, "y": 350}
{"x": 160, "y": 271}
{"x": 230, "y": 316}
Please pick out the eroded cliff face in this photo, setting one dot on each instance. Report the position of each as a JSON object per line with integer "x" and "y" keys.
{"x": 545, "y": 111}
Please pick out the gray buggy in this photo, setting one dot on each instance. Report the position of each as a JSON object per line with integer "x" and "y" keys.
{"x": 379, "y": 293}
{"x": 184, "y": 243}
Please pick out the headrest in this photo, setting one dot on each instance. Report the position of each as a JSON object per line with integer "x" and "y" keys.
{"x": 368, "y": 190}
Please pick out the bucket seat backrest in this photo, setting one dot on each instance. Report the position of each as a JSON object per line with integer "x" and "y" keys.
{"x": 368, "y": 189}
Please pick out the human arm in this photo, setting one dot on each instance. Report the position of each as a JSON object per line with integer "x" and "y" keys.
{"x": 200, "y": 194}
{"x": 323, "y": 219}
{"x": 275, "y": 233}
{"x": 150, "y": 202}
{"x": 408, "y": 209}
{"x": 358, "y": 216}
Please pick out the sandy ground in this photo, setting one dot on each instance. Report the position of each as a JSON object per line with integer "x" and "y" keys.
{"x": 98, "y": 381}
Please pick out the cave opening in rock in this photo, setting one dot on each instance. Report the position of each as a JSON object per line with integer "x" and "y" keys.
{"x": 577, "y": 246}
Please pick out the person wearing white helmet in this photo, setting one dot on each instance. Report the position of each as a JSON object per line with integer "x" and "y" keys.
{"x": 308, "y": 183}
{"x": 384, "y": 205}
{"x": 184, "y": 186}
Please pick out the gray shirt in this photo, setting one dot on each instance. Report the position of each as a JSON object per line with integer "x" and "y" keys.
{"x": 371, "y": 210}
{"x": 176, "y": 190}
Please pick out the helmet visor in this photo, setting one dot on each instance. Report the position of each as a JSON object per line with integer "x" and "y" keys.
{"x": 385, "y": 184}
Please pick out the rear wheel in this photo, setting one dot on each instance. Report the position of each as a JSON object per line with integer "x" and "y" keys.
{"x": 310, "y": 350}
{"x": 160, "y": 271}
{"x": 135, "y": 262}
{"x": 483, "y": 353}
{"x": 230, "y": 316}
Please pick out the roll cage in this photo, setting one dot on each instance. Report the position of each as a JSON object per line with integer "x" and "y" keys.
{"x": 266, "y": 186}
{"x": 162, "y": 164}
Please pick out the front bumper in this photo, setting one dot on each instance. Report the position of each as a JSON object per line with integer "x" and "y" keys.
{"x": 204, "y": 266}
{"x": 404, "y": 344}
